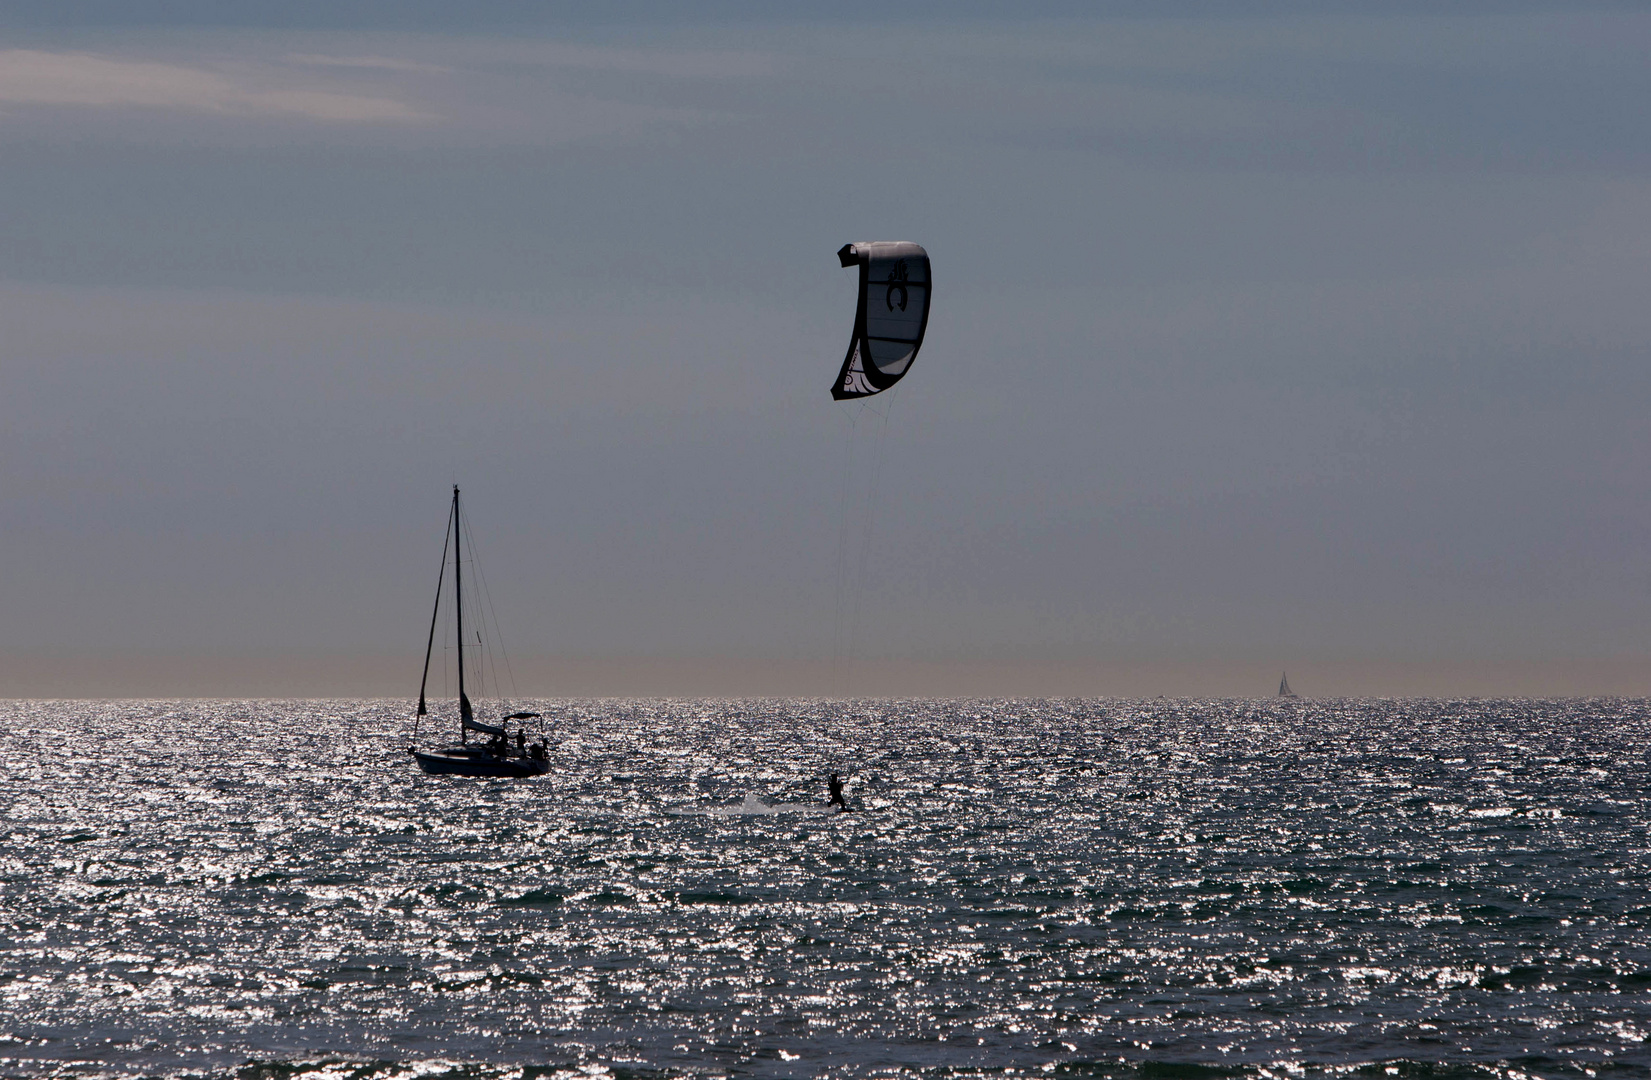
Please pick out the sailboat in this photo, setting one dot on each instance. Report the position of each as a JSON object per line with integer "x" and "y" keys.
{"x": 1284, "y": 687}
{"x": 496, "y": 756}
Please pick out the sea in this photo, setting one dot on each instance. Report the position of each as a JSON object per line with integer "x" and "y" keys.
{"x": 270, "y": 890}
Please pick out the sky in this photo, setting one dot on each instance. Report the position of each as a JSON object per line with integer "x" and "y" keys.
{"x": 1265, "y": 337}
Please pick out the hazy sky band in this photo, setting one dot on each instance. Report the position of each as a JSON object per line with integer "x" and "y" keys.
{"x": 1292, "y": 333}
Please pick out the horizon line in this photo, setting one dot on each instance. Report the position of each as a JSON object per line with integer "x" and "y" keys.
{"x": 132, "y": 675}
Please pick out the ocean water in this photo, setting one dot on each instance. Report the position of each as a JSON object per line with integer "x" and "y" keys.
{"x": 1027, "y": 888}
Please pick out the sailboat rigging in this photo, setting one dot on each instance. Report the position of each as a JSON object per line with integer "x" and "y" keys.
{"x": 496, "y": 756}
{"x": 1284, "y": 687}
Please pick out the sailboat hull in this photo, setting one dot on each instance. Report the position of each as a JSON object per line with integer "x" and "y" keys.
{"x": 467, "y": 764}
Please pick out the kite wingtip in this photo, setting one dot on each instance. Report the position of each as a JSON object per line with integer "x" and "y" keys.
{"x": 848, "y": 256}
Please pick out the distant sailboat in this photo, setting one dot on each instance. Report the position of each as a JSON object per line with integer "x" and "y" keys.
{"x": 496, "y": 756}
{"x": 1284, "y": 687}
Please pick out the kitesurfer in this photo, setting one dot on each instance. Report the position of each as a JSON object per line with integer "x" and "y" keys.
{"x": 836, "y": 799}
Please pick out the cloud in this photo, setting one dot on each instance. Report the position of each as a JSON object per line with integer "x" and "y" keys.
{"x": 86, "y": 80}
{"x": 413, "y": 92}
{"x": 381, "y": 63}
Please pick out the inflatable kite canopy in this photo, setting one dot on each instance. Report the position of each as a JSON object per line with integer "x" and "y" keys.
{"x": 893, "y": 313}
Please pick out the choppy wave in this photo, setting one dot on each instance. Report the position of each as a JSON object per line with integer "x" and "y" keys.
{"x": 1163, "y": 889}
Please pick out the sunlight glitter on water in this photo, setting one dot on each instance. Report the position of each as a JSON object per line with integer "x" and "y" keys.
{"x": 1067, "y": 888}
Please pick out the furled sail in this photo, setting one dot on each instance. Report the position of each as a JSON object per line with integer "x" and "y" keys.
{"x": 892, "y": 315}
{"x": 476, "y": 725}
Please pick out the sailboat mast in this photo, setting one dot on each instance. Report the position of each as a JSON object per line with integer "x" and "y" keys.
{"x": 458, "y": 612}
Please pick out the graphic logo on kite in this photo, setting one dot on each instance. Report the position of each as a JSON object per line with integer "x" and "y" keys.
{"x": 897, "y": 280}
